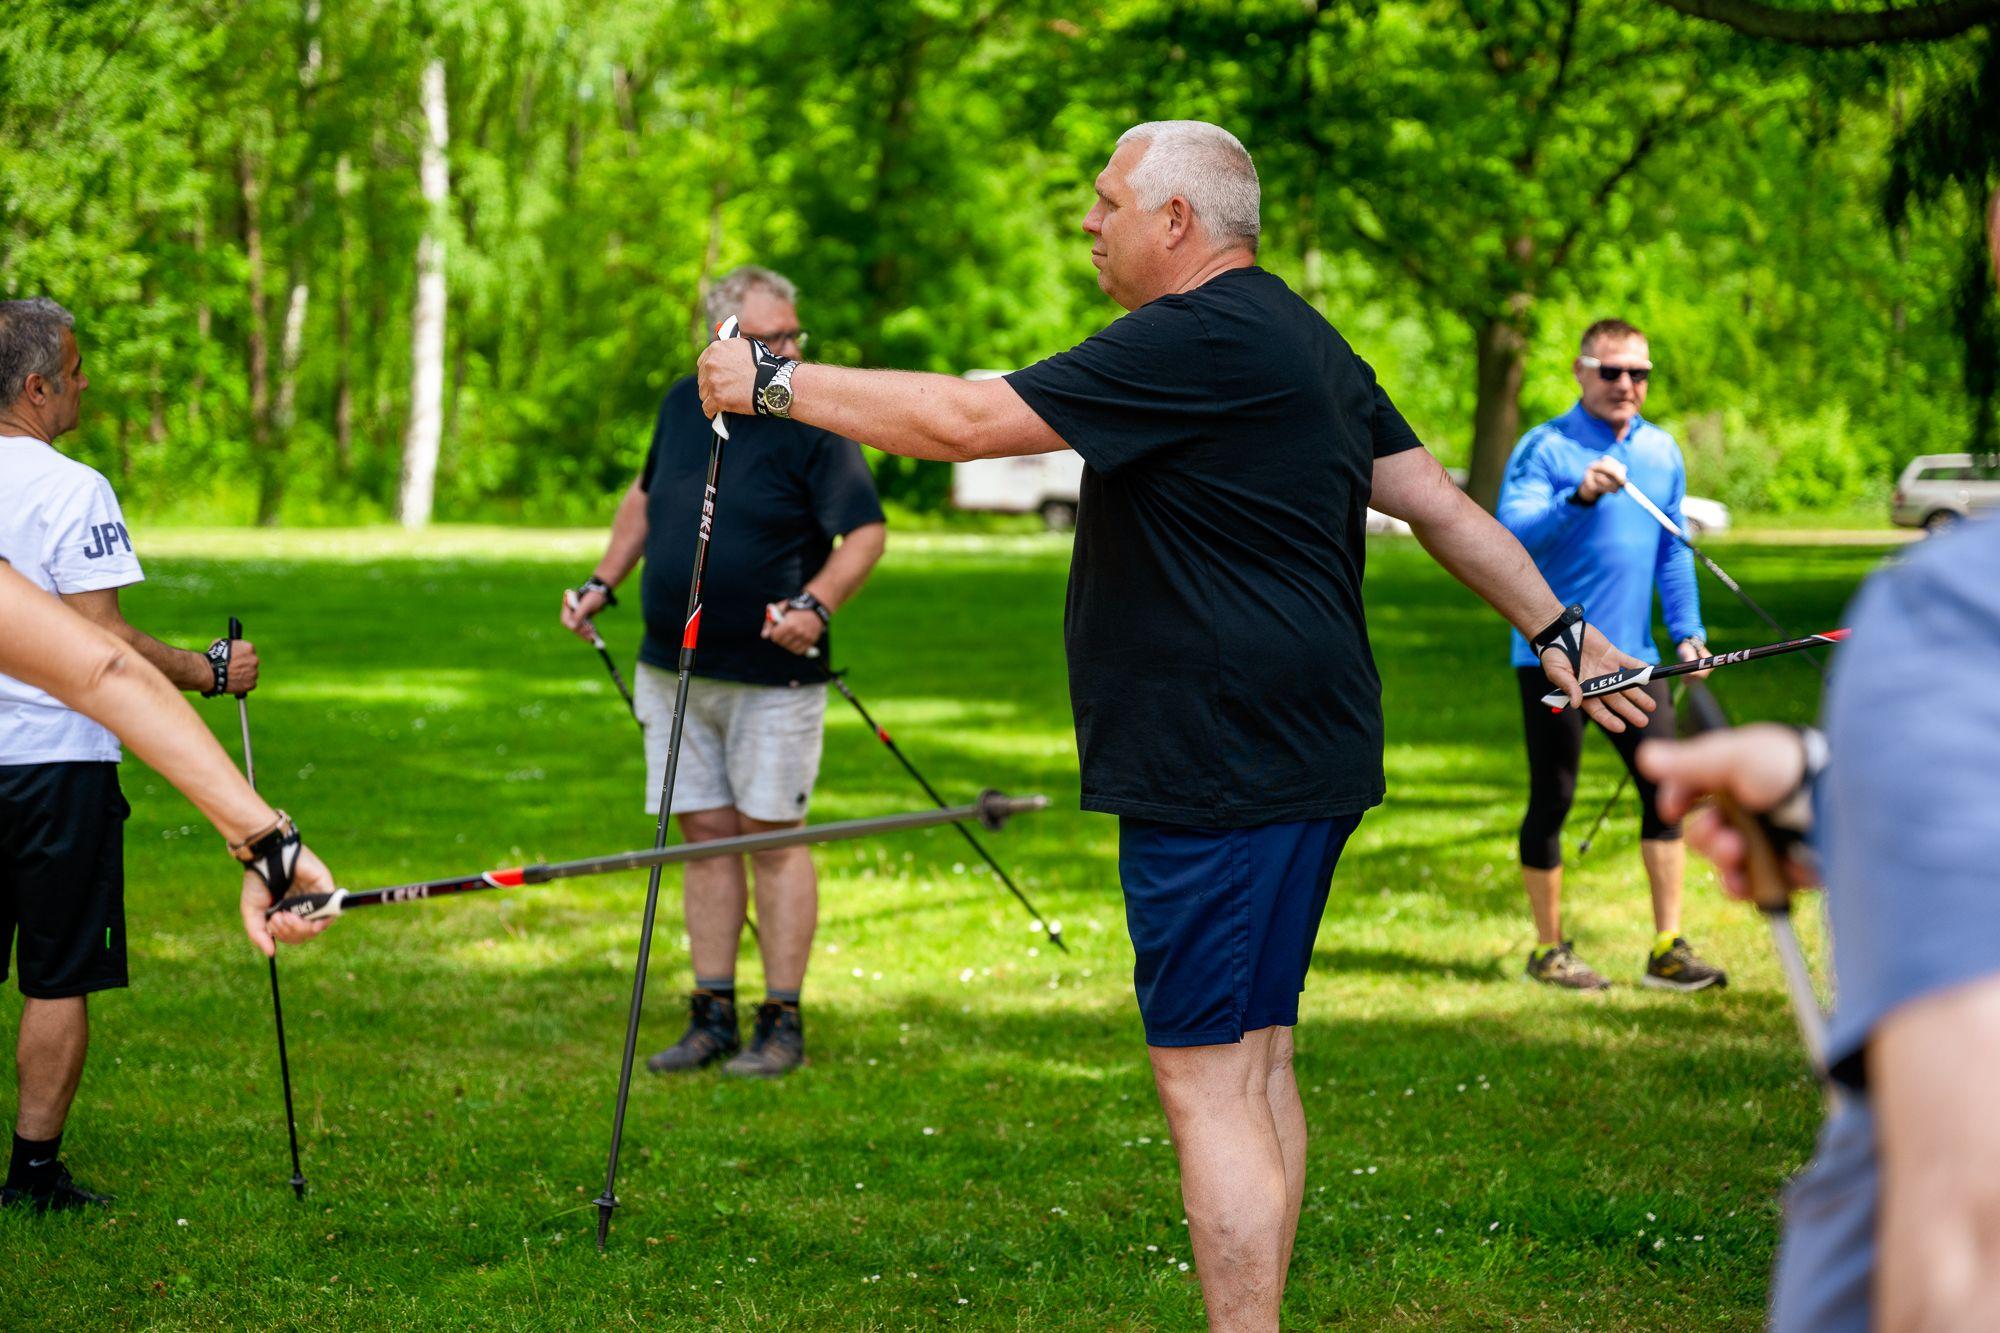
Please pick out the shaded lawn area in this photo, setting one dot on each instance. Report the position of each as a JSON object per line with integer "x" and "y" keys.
{"x": 976, "y": 1141}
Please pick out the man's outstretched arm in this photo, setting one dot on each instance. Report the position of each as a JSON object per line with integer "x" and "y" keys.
{"x": 1485, "y": 557}
{"x": 939, "y": 417}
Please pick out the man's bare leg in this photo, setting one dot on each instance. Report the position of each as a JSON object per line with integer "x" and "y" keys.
{"x": 1288, "y": 1114}
{"x": 1666, "y": 868}
{"x": 55, "y": 1035}
{"x": 787, "y": 907}
{"x": 716, "y": 895}
{"x": 1233, "y": 1177}
{"x": 1545, "y": 888}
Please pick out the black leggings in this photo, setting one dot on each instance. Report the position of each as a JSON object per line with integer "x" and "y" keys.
{"x": 1555, "y": 746}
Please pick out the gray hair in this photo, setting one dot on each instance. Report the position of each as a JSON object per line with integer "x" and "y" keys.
{"x": 31, "y": 344}
{"x": 1203, "y": 164}
{"x": 725, "y": 298}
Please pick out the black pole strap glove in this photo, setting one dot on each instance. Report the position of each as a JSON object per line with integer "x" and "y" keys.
{"x": 1566, "y": 633}
{"x": 1790, "y": 821}
{"x": 805, "y": 601}
{"x": 773, "y": 397}
{"x": 594, "y": 584}
{"x": 218, "y": 662}
{"x": 273, "y": 855}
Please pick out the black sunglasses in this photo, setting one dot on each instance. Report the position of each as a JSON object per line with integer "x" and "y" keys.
{"x": 1610, "y": 374}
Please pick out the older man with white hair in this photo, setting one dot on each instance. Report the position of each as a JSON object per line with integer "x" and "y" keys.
{"x": 1227, "y": 706}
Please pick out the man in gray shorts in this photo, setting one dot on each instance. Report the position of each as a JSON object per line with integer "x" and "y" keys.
{"x": 751, "y": 742}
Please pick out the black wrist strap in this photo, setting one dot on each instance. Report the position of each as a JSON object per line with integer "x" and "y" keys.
{"x": 600, "y": 587}
{"x": 218, "y": 662}
{"x": 1790, "y": 821}
{"x": 274, "y": 856}
{"x": 769, "y": 363}
{"x": 1566, "y": 633}
{"x": 805, "y": 601}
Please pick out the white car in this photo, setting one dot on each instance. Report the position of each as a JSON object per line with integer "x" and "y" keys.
{"x": 1937, "y": 490}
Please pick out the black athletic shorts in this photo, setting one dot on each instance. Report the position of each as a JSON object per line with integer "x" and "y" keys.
{"x": 62, "y": 877}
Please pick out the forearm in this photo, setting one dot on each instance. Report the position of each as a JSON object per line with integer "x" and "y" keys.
{"x": 936, "y": 417}
{"x": 849, "y": 566}
{"x": 53, "y": 648}
{"x": 1931, "y": 1079}
{"x": 1482, "y": 554}
{"x": 628, "y": 538}
{"x": 187, "y": 671}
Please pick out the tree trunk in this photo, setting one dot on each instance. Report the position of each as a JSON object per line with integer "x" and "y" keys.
{"x": 420, "y": 441}
{"x": 258, "y": 348}
{"x": 292, "y": 346}
{"x": 1496, "y": 415}
{"x": 343, "y": 322}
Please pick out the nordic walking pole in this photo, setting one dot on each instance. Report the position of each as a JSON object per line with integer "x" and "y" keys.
{"x": 597, "y": 642}
{"x": 1722, "y": 576}
{"x": 882, "y": 734}
{"x": 993, "y": 809}
{"x": 690, "y": 631}
{"x": 277, "y": 1004}
{"x": 1771, "y": 891}
{"x": 1629, "y": 677}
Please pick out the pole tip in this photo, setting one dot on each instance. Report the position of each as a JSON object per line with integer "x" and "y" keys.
{"x": 605, "y": 1203}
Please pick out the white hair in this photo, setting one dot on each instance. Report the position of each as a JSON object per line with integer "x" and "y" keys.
{"x": 725, "y": 298}
{"x": 1203, "y": 164}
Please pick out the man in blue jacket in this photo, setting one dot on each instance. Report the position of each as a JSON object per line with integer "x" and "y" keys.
{"x": 1561, "y": 498}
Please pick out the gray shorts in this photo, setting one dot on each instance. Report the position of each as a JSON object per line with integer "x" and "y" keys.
{"x": 751, "y": 747}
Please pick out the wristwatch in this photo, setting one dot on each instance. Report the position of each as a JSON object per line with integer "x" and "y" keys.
{"x": 774, "y": 398}
{"x": 805, "y": 601}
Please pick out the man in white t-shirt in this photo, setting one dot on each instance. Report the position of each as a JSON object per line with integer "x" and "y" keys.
{"x": 62, "y": 815}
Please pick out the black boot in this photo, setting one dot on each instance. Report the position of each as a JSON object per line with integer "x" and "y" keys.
{"x": 778, "y": 1047}
{"x": 711, "y": 1036}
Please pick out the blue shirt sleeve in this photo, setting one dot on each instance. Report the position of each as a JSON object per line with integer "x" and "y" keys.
{"x": 1534, "y": 502}
{"x": 1680, "y": 596}
{"x": 1905, "y": 811}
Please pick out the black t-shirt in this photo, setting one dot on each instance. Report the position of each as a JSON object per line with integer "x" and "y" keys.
{"x": 783, "y": 493}
{"x": 1218, "y": 659}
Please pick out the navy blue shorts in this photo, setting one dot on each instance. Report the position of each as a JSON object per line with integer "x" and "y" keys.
{"x": 1223, "y": 921}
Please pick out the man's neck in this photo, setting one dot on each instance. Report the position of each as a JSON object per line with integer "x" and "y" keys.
{"x": 1618, "y": 432}
{"x": 11, "y": 424}
{"x": 1211, "y": 267}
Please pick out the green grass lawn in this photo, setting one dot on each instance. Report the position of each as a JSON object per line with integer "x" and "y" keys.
{"x": 976, "y": 1141}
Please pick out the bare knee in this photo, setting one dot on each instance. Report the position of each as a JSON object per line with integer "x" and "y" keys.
{"x": 708, "y": 825}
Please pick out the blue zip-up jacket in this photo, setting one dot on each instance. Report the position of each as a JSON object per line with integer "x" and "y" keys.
{"x": 1606, "y": 555}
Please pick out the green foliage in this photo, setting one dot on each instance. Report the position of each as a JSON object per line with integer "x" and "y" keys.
{"x": 1434, "y": 171}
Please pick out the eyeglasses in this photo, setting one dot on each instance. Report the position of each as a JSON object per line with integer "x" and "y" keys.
{"x": 796, "y": 337}
{"x": 1611, "y": 374}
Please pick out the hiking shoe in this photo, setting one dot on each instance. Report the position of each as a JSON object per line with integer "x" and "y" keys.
{"x": 1558, "y": 965}
{"x": 776, "y": 1048}
{"x": 711, "y": 1036}
{"x": 63, "y": 1195}
{"x": 1678, "y": 968}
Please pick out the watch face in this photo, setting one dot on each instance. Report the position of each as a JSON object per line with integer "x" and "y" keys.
{"x": 777, "y": 399}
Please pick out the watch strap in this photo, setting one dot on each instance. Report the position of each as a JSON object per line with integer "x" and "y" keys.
{"x": 805, "y": 601}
